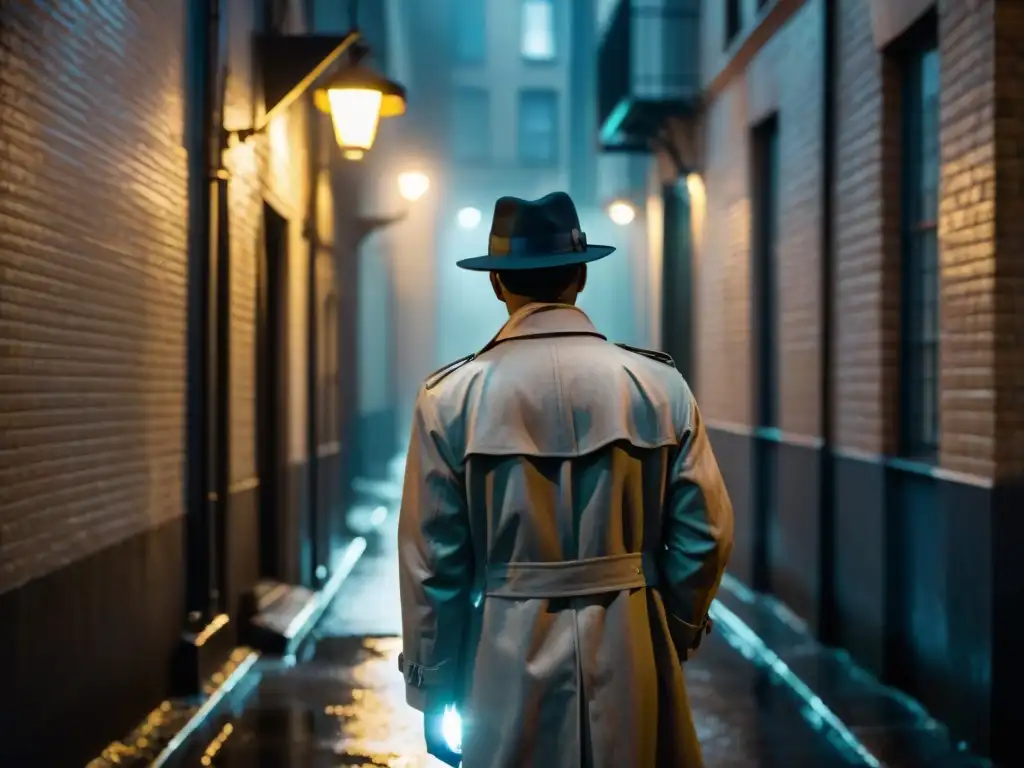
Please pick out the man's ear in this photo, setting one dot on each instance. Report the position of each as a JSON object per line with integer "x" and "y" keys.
{"x": 582, "y": 283}
{"x": 499, "y": 291}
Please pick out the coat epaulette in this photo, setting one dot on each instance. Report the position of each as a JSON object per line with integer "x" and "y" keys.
{"x": 653, "y": 354}
{"x": 435, "y": 378}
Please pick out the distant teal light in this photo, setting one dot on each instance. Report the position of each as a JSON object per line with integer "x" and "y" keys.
{"x": 613, "y": 124}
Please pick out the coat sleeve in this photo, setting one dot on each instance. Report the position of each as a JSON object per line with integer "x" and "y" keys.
{"x": 435, "y": 559}
{"x": 698, "y": 534}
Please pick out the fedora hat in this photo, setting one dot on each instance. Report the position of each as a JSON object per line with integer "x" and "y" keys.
{"x": 535, "y": 234}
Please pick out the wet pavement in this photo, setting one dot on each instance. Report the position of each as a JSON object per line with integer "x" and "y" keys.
{"x": 889, "y": 727}
{"x": 344, "y": 704}
{"x": 765, "y": 694}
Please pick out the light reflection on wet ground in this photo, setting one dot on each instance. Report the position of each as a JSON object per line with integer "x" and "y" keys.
{"x": 345, "y": 706}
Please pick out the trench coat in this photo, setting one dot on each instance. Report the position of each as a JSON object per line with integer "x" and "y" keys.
{"x": 563, "y": 524}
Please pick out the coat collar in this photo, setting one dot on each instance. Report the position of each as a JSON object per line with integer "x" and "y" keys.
{"x": 540, "y": 320}
{"x": 546, "y": 319}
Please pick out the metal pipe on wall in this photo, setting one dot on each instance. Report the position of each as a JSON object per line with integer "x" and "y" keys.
{"x": 199, "y": 64}
{"x": 206, "y": 336}
{"x": 220, "y": 315}
{"x": 319, "y": 565}
{"x": 826, "y": 508}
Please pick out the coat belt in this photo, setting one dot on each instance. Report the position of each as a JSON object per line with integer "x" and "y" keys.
{"x": 571, "y": 578}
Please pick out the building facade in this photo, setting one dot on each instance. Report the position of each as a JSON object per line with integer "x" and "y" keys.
{"x": 505, "y": 107}
{"x": 854, "y": 209}
{"x": 172, "y": 401}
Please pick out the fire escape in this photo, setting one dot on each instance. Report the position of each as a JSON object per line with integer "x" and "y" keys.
{"x": 649, "y": 100}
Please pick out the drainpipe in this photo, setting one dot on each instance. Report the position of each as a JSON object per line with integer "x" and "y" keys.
{"x": 220, "y": 247}
{"x": 206, "y": 348}
{"x": 319, "y": 565}
{"x": 826, "y": 564}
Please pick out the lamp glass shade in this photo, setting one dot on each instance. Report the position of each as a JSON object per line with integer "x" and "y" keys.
{"x": 355, "y": 113}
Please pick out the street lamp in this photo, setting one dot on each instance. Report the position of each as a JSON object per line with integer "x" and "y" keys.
{"x": 412, "y": 185}
{"x": 621, "y": 213}
{"x": 357, "y": 99}
{"x": 355, "y": 96}
{"x": 469, "y": 218}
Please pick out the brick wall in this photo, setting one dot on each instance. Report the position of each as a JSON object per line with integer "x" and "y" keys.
{"x": 784, "y": 78}
{"x": 1009, "y": 304}
{"x": 980, "y": 361}
{"x": 967, "y": 237}
{"x": 92, "y": 277}
{"x": 93, "y": 247}
{"x": 866, "y": 238}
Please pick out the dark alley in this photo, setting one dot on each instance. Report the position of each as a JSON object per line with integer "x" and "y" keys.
{"x": 618, "y": 381}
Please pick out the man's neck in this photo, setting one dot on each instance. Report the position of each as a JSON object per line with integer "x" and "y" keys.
{"x": 514, "y": 306}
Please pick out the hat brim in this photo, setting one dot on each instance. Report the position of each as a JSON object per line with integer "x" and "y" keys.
{"x": 535, "y": 261}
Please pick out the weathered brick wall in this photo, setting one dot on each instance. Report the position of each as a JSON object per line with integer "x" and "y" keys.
{"x": 1009, "y": 303}
{"x": 92, "y": 277}
{"x": 967, "y": 238}
{"x": 93, "y": 248}
{"x": 978, "y": 320}
{"x": 273, "y": 167}
{"x": 866, "y": 237}
{"x": 785, "y": 78}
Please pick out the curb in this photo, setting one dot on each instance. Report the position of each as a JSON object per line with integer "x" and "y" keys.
{"x": 306, "y": 621}
{"x": 237, "y": 684}
{"x": 744, "y": 639}
{"x": 207, "y": 710}
{"x": 764, "y": 630}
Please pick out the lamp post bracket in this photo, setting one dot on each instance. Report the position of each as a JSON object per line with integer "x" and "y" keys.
{"x": 291, "y": 64}
{"x": 364, "y": 226}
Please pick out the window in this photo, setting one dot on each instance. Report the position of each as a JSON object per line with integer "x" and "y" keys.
{"x": 919, "y": 308}
{"x": 733, "y": 20}
{"x": 765, "y": 159}
{"x": 469, "y": 31}
{"x": 538, "y": 127}
{"x": 471, "y": 125}
{"x": 537, "y": 35}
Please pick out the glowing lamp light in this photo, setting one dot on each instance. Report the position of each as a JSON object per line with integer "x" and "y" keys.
{"x": 621, "y": 213}
{"x": 451, "y": 729}
{"x": 412, "y": 185}
{"x": 695, "y": 186}
{"x": 356, "y": 115}
{"x": 357, "y": 99}
{"x": 469, "y": 218}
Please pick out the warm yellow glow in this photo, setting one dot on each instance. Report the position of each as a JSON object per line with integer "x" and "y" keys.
{"x": 695, "y": 186}
{"x": 412, "y": 185}
{"x": 621, "y": 213}
{"x": 698, "y": 210}
{"x": 355, "y": 113}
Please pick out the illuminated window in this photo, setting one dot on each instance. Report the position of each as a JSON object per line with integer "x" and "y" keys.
{"x": 537, "y": 37}
{"x": 919, "y": 308}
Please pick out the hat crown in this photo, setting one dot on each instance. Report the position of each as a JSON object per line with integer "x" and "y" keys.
{"x": 535, "y": 234}
{"x": 552, "y": 214}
